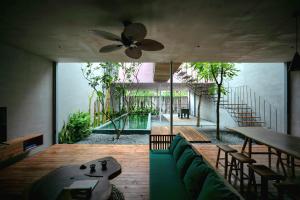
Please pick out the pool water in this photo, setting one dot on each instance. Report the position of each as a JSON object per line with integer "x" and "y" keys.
{"x": 134, "y": 124}
{"x": 131, "y": 122}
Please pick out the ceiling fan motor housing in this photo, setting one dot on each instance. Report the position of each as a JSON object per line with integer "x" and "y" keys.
{"x": 127, "y": 42}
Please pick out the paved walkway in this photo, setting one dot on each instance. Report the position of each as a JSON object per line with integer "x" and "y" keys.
{"x": 192, "y": 121}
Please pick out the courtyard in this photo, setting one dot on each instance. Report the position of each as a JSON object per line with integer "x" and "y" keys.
{"x": 119, "y": 100}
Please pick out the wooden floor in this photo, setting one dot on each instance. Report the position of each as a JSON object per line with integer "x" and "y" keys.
{"x": 134, "y": 159}
{"x": 191, "y": 134}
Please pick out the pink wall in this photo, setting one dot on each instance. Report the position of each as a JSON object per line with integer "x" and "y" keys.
{"x": 145, "y": 75}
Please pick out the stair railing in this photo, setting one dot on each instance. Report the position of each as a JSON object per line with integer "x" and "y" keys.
{"x": 259, "y": 106}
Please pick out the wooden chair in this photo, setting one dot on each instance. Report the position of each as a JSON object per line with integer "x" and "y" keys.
{"x": 226, "y": 149}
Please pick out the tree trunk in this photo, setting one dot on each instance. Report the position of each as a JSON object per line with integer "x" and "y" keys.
{"x": 198, "y": 111}
{"x": 218, "y": 112}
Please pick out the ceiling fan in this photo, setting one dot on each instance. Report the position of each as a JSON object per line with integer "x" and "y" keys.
{"x": 132, "y": 37}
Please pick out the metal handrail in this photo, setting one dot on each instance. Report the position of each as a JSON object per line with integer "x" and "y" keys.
{"x": 259, "y": 106}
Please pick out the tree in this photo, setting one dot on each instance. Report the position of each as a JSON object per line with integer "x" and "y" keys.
{"x": 216, "y": 72}
{"x": 198, "y": 110}
{"x": 104, "y": 80}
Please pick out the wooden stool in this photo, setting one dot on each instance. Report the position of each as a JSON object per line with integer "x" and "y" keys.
{"x": 266, "y": 175}
{"x": 226, "y": 149}
{"x": 237, "y": 164}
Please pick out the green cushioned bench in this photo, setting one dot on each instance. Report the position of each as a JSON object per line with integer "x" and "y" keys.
{"x": 180, "y": 173}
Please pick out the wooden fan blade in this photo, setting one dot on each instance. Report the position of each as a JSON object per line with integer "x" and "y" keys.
{"x": 133, "y": 52}
{"x": 106, "y": 35}
{"x": 135, "y": 31}
{"x": 110, "y": 48}
{"x": 150, "y": 45}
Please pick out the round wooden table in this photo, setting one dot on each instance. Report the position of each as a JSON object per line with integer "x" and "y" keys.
{"x": 50, "y": 187}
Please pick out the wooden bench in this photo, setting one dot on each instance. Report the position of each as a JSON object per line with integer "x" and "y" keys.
{"x": 192, "y": 135}
{"x": 189, "y": 133}
{"x": 266, "y": 174}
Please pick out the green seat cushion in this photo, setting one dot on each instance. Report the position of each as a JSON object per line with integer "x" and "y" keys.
{"x": 160, "y": 151}
{"x": 195, "y": 177}
{"x": 164, "y": 179}
{"x": 180, "y": 147}
{"x": 175, "y": 142}
{"x": 184, "y": 161}
{"x": 214, "y": 188}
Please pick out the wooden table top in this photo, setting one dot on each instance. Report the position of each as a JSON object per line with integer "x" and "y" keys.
{"x": 285, "y": 143}
{"x": 50, "y": 187}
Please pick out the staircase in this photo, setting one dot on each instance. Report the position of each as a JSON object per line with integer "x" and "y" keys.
{"x": 245, "y": 107}
{"x": 242, "y": 113}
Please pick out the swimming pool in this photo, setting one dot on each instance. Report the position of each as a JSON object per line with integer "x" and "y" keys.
{"x": 135, "y": 124}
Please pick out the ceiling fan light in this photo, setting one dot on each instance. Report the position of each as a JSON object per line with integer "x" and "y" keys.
{"x": 295, "y": 64}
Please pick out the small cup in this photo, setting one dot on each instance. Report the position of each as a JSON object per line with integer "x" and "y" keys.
{"x": 92, "y": 168}
{"x": 104, "y": 164}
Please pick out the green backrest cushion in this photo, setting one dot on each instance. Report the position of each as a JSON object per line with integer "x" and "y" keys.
{"x": 184, "y": 161}
{"x": 195, "y": 177}
{"x": 180, "y": 147}
{"x": 175, "y": 142}
{"x": 215, "y": 188}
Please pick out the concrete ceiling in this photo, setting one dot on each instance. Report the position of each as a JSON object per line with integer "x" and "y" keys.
{"x": 199, "y": 30}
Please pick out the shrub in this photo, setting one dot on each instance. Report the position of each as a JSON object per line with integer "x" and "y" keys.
{"x": 144, "y": 111}
{"x": 77, "y": 128}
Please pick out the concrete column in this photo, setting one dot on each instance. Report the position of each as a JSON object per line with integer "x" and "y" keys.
{"x": 171, "y": 98}
{"x": 160, "y": 102}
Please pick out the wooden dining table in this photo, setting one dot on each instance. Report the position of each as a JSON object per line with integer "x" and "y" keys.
{"x": 280, "y": 142}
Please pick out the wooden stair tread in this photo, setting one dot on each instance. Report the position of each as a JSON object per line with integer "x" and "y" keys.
{"x": 251, "y": 121}
{"x": 233, "y": 104}
{"x": 248, "y": 117}
{"x": 243, "y": 113}
{"x": 238, "y": 108}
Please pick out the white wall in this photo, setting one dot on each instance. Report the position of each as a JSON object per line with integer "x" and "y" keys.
{"x": 72, "y": 91}
{"x": 294, "y": 103}
{"x": 268, "y": 80}
{"x": 26, "y": 91}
